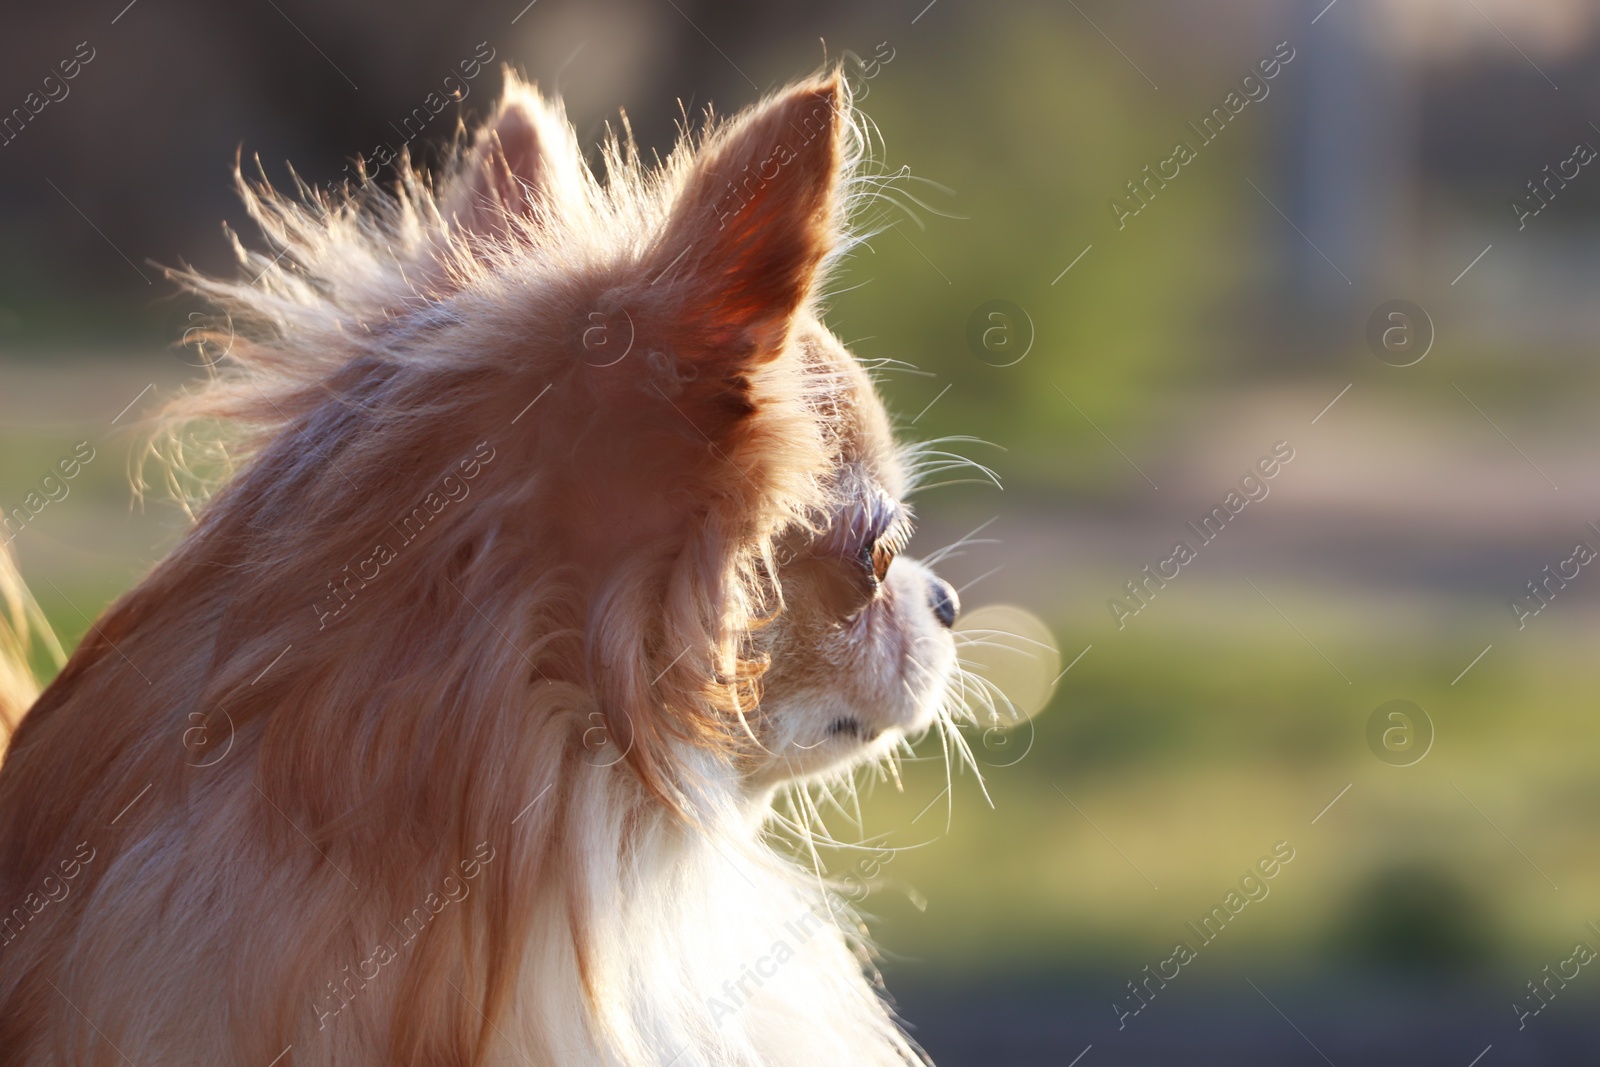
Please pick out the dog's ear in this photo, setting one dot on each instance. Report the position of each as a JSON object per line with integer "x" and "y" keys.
{"x": 523, "y": 161}
{"x": 755, "y": 220}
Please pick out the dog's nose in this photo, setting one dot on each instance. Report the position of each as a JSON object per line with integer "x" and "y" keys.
{"x": 944, "y": 601}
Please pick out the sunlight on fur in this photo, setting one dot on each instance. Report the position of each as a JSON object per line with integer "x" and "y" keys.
{"x": 549, "y": 590}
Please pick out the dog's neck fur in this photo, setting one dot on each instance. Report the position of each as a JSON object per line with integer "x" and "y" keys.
{"x": 675, "y": 976}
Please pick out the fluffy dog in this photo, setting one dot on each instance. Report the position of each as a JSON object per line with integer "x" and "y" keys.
{"x": 558, "y": 534}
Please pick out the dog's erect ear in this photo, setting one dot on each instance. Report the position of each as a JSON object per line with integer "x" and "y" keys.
{"x": 757, "y": 217}
{"x": 523, "y": 161}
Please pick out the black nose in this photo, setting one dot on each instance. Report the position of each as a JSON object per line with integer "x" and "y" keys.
{"x": 944, "y": 601}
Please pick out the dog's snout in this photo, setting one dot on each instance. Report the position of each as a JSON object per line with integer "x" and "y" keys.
{"x": 942, "y": 598}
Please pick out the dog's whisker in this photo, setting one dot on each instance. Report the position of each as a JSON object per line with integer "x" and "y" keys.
{"x": 954, "y": 549}
{"x": 965, "y": 632}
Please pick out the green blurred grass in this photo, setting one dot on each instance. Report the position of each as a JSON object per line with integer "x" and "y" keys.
{"x": 1194, "y": 751}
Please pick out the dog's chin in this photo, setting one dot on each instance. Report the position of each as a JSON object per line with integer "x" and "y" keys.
{"x": 836, "y": 737}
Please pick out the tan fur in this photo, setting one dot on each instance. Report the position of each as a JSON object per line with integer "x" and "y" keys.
{"x": 20, "y": 621}
{"x": 600, "y": 636}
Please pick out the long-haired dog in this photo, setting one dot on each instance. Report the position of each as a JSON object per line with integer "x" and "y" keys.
{"x": 558, "y": 535}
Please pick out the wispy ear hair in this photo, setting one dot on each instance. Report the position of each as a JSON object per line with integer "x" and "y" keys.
{"x": 523, "y": 162}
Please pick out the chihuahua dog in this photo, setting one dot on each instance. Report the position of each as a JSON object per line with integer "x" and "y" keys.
{"x": 557, "y": 535}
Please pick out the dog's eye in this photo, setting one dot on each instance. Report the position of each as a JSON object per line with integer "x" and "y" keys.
{"x": 882, "y": 549}
{"x": 879, "y": 556}
{"x": 860, "y": 546}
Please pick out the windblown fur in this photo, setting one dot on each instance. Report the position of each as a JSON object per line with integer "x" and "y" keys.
{"x": 447, "y": 734}
{"x": 21, "y": 627}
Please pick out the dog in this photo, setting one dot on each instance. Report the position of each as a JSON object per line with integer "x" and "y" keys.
{"x": 558, "y": 536}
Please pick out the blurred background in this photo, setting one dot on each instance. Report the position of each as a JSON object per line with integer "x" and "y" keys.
{"x": 1131, "y": 327}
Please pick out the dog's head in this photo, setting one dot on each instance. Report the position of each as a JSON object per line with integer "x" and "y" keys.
{"x": 693, "y": 527}
{"x": 741, "y": 447}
